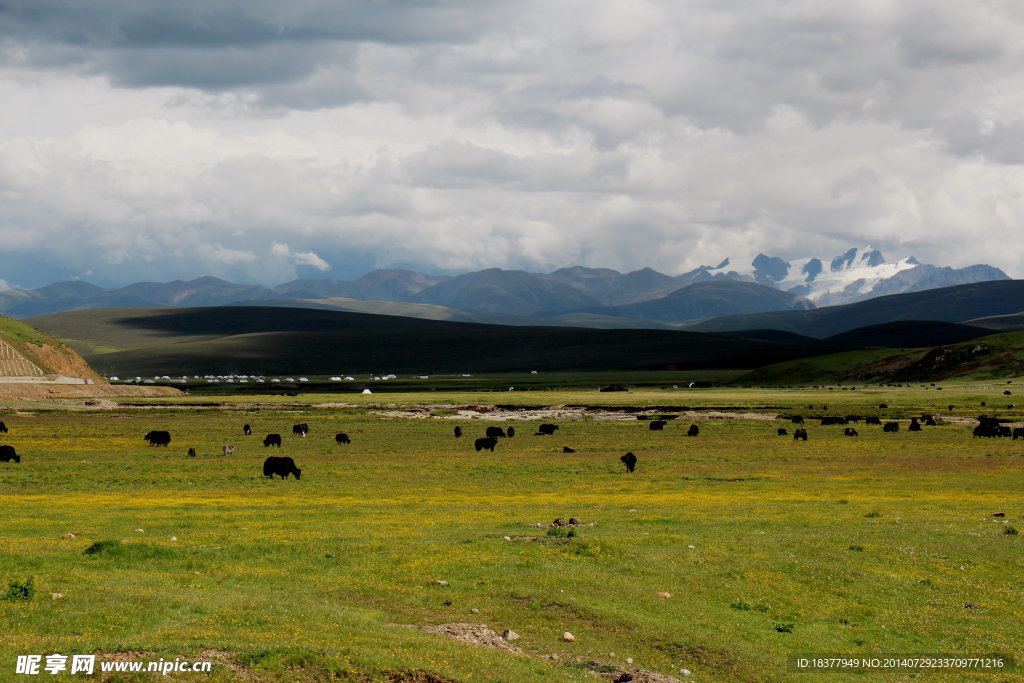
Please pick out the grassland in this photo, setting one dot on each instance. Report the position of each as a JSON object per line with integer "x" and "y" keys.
{"x": 880, "y": 544}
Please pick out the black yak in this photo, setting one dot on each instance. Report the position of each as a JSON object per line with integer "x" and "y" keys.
{"x": 630, "y": 461}
{"x": 281, "y": 466}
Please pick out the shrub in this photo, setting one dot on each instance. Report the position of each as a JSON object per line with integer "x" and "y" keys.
{"x": 20, "y": 590}
{"x": 784, "y": 628}
{"x": 1010, "y": 531}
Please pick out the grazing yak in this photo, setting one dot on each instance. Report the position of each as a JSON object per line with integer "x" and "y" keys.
{"x": 1018, "y": 433}
{"x": 510, "y": 432}
{"x": 3, "y": 428}
{"x": 8, "y": 454}
{"x": 891, "y": 427}
{"x": 872, "y": 420}
{"x": 247, "y": 430}
{"x": 853, "y": 418}
{"x": 458, "y": 431}
{"x": 656, "y": 425}
{"x": 629, "y": 460}
{"x": 566, "y": 449}
{"x": 191, "y": 452}
{"x": 158, "y": 438}
{"x": 850, "y": 431}
{"x": 228, "y": 450}
{"x": 915, "y": 426}
{"x": 797, "y": 419}
{"x": 281, "y": 466}
{"x": 800, "y": 434}
{"x": 272, "y": 440}
{"x": 495, "y": 433}
{"x": 782, "y": 432}
{"x": 833, "y": 420}
{"x": 488, "y": 442}
{"x": 694, "y": 430}
{"x": 300, "y": 430}
{"x": 547, "y": 429}
{"x": 342, "y": 437}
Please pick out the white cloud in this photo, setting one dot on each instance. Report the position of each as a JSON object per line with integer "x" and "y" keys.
{"x": 299, "y": 258}
{"x": 466, "y": 135}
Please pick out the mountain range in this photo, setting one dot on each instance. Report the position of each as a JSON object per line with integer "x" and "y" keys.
{"x": 576, "y": 296}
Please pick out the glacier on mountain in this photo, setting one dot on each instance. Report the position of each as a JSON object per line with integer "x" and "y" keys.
{"x": 857, "y": 274}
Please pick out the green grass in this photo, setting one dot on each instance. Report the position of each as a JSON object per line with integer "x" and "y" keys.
{"x": 993, "y": 357}
{"x": 753, "y": 536}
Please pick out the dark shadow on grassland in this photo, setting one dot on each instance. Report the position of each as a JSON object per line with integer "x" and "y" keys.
{"x": 277, "y": 340}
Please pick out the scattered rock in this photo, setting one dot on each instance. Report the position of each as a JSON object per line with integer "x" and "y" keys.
{"x": 568, "y": 637}
{"x": 174, "y": 538}
{"x": 440, "y": 582}
{"x": 474, "y": 611}
{"x": 507, "y": 538}
{"x": 970, "y": 606}
{"x": 509, "y": 634}
{"x": 561, "y": 521}
{"x": 629, "y": 660}
{"x": 56, "y": 596}
{"x": 140, "y": 531}
{"x": 575, "y": 520}
{"x": 685, "y": 672}
{"x": 68, "y": 535}
{"x": 664, "y": 594}
{"x": 329, "y": 555}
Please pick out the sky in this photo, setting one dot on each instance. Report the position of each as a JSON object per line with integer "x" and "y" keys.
{"x": 261, "y": 140}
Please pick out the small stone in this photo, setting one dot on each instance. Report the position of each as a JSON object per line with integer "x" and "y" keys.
{"x": 509, "y": 634}
{"x": 329, "y": 555}
{"x": 664, "y": 594}
{"x": 174, "y": 538}
{"x": 140, "y": 531}
{"x": 68, "y": 535}
{"x": 632, "y": 510}
{"x": 440, "y": 582}
{"x": 474, "y": 611}
{"x": 685, "y": 672}
{"x": 56, "y": 596}
{"x": 507, "y": 538}
{"x": 611, "y": 654}
{"x": 575, "y": 520}
{"x": 629, "y": 660}
{"x": 561, "y": 521}
{"x": 448, "y": 603}
{"x": 691, "y": 546}
{"x": 568, "y": 637}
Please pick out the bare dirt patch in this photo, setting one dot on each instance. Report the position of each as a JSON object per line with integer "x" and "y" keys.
{"x": 474, "y": 634}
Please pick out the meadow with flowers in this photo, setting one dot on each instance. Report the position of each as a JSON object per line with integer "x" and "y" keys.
{"x": 723, "y": 555}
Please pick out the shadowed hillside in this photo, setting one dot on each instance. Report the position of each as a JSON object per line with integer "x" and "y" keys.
{"x": 282, "y": 340}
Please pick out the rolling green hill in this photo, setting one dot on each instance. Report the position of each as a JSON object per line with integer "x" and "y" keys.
{"x": 994, "y": 357}
{"x": 253, "y": 340}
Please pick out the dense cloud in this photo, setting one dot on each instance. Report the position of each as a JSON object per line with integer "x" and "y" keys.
{"x": 264, "y": 140}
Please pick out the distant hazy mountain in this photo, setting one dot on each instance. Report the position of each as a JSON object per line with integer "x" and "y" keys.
{"x": 711, "y": 299}
{"x": 856, "y": 275}
{"x": 576, "y": 296}
{"x": 611, "y": 287}
{"x": 957, "y": 304}
{"x": 511, "y": 292}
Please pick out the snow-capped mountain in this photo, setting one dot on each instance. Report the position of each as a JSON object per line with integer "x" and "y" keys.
{"x": 855, "y": 275}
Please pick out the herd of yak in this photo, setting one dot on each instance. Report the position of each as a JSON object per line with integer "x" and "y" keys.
{"x": 988, "y": 427}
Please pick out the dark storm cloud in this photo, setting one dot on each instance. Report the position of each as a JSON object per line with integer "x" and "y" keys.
{"x": 219, "y": 44}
